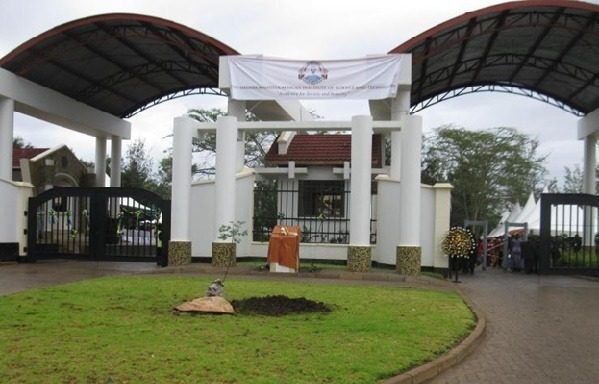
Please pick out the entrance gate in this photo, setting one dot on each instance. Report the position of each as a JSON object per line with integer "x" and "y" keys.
{"x": 118, "y": 224}
{"x": 569, "y": 242}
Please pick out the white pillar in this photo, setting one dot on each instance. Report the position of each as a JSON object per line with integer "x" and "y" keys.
{"x": 236, "y": 108}
{"x": 409, "y": 197}
{"x": 226, "y": 167}
{"x": 394, "y": 164}
{"x": 7, "y": 108}
{"x": 589, "y": 186}
{"x": 590, "y": 163}
{"x": 588, "y": 129}
{"x": 361, "y": 164}
{"x": 240, "y": 151}
{"x": 100, "y": 165}
{"x": 400, "y": 109}
{"x": 115, "y": 162}
{"x": 181, "y": 184}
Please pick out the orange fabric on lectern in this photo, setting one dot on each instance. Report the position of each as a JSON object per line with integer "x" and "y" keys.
{"x": 283, "y": 246}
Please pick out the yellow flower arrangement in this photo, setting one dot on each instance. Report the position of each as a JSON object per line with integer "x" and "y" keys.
{"x": 459, "y": 242}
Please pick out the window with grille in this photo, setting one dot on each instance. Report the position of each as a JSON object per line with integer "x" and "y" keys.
{"x": 321, "y": 199}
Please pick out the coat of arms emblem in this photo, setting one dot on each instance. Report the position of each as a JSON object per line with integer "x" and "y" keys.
{"x": 313, "y": 73}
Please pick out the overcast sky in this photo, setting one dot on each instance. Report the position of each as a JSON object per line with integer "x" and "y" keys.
{"x": 299, "y": 30}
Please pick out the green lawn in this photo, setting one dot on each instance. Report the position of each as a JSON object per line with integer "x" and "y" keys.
{"x": 123, "y": 330}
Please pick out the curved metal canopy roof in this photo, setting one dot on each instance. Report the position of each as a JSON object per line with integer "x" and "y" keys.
{"x": 120, "y": 63}
{"x": 545, "y": 49}
{"x": 125, "y": 63}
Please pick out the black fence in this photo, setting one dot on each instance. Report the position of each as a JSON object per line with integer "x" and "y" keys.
{"x": 125, "y": 224}
{"x": 569, "y": 234}
{"x": 319, "y": 208}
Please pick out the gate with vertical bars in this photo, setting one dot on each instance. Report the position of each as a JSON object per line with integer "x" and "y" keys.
{"x": 115, "y": 224}
{"x": 569, "y": 238}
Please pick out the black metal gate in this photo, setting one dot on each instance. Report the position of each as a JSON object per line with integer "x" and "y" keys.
{"x": 569, "y": 234}
{"x": 118, "y": 224}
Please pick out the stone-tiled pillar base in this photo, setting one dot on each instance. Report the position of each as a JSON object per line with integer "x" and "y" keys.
{"x": 179, "y": 252}
{"x": 408, "y": 260}
{"x": 224, "y": 254}
{"x": 358, "y": 258}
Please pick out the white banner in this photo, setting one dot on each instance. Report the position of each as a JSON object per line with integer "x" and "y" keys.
{"x": 262, "y": 78}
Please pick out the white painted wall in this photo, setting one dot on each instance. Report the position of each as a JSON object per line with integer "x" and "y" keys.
{"x": 202, "y": 225}
{"x": 203, "y": 228}
{"x": 387, "y": 220}
{"x": 308, "y": 251}
{"x": 427, "y": 225}
{"x": 204, "y": 231}
{"x": 434, "y": 222}
{"x": 442, "y": 220}
{"x": 13, "y": 204}
{"x": 244, "y": 208}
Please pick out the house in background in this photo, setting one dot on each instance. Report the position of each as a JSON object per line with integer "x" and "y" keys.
{"x": 24, "y": 154}
{"x": 35, "y": 170}
{"x": 306, "y": 183}
{"x": 46, "y": 168}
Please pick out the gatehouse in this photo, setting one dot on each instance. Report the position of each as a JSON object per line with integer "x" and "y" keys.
{"x": 367, "y": 205}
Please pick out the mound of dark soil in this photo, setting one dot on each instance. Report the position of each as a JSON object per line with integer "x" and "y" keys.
{"x": 278, "y": 305}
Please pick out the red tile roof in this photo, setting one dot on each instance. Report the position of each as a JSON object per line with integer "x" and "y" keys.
{"x": 320, "y": 150}
{"x": 25, "y": 153}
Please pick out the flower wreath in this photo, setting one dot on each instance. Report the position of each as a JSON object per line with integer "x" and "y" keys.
{"x": 459, "y": 242}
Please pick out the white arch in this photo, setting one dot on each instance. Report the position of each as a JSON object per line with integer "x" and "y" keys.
{"x": 70, "y": 180}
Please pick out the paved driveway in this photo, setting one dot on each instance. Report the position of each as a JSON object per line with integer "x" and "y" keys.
{"x": 18, "y": 277}
{"x": 540, "y": 329}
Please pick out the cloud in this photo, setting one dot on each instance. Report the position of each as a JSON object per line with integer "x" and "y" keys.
{"x": 294, "y": 29}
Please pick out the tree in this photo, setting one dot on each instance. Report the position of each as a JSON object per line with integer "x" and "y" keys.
{"x": 573, "y": 179}
{"x": 19, "y": 142}
{"x": 165, "y": 170}
{"x": 489, "y": 169}
{"x": 164, "y": 177}
{"x": 551, "y": 186}
{"x": 256, "y": 143}
{"x": 137, "y": 167}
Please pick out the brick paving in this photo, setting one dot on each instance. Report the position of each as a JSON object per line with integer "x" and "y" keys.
{"x": 540, "y": 329}
{"x": 18, "y": 277}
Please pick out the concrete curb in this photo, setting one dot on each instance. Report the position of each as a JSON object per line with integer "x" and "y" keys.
{"x": 442, "y": 363}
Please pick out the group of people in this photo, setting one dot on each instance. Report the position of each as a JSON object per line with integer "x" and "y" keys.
{"x": 522, "y": 255}
{"x": 476, "y": 257}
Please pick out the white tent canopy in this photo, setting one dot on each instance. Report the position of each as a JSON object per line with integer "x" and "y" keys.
{"x": 516, "y": 210}
{"x": 565, "y": 219}
{"x": 497, "y": 231}
{"x": 527, "y": 211}
{"x": 507, "y": 216}
{"x": 527, "y": 214}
